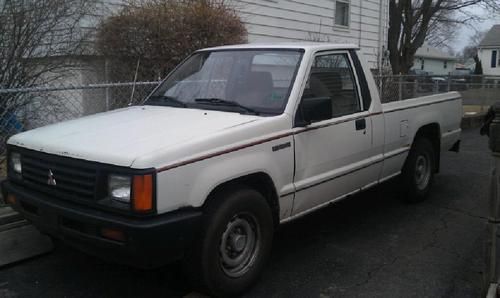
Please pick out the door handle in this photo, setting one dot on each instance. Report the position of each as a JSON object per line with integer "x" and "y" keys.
{"x": 360, "y": 124}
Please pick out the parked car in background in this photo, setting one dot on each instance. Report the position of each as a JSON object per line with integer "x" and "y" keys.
{"x": 439, "y": 83}
{"x": 234, "y": 142}
{"x": 460, "y": 77}
{"x": 422, "y": 78}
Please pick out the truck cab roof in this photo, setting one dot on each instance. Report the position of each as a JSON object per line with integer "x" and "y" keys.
{"x": 314, "y": 46}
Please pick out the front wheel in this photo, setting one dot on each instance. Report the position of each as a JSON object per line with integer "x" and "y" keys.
{"x": 235, "y": 242}
{"x": 418, "y": 171}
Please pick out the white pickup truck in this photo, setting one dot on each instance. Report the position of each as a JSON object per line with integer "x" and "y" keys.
{"x": 234, "y": 142}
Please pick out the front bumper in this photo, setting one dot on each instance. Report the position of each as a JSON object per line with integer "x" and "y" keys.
{"x": 149, "y": 242}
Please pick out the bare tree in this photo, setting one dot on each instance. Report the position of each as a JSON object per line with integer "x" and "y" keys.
{"x": 442, "y": 32}
{"x": 39, "y": 38}
{"x": 38, "y": 41}
{"x": 413, "y": 22}
{"x": 470, "y": 50}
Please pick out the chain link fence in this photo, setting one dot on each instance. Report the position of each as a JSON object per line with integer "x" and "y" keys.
{"x": 28, "y": 108}
{"x": 478, "y": 90}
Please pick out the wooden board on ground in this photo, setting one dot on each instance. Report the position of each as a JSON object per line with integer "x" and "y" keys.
{"x": 7, "y": 215}
{"x": 18, "y": 239}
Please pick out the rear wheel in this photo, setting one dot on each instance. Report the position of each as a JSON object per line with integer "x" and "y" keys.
{"x": 418, "y": 171}
{"x": 235, "y": 242}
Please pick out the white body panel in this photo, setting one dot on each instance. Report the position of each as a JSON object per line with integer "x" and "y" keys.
{"x": 194, "y": 151}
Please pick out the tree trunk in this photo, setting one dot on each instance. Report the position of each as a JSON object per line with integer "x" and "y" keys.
{"x": 408, "y": 28}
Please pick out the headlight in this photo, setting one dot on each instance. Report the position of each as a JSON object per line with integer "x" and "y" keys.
{"x": 15, "y": 163}
{"x": 119, "y": 188}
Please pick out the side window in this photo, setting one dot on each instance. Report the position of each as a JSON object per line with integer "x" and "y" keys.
{"x": 331, "y": 89}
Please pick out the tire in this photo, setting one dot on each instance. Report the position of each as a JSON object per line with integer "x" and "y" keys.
{"x": 235, "y": 242}
{"x": 418, "y": 171}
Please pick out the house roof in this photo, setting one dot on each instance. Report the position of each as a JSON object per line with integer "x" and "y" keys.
{"x": 427, "y": 51}
{"x": 492, "y": 38}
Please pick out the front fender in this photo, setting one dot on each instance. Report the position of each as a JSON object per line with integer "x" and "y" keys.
{"x": 190, "y": 184}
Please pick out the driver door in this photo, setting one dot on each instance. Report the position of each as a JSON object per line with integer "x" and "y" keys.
{"x": 333, "y": 150}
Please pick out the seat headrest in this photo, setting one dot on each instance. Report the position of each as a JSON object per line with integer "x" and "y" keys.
{"x": 259, "y": 79}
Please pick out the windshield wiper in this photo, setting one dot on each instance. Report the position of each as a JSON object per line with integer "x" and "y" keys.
{"x": 223, "y": 102}
{"x": 168, "y": 99}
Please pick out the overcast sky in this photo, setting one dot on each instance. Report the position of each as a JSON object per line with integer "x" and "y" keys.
{"x": 463, "y": 37}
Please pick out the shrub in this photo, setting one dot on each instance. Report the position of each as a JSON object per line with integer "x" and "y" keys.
{"x": 158, "y": 34}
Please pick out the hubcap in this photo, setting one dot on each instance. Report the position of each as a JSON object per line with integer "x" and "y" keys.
{"x": 239, "y": 245}
{"x": 422, "y": 172}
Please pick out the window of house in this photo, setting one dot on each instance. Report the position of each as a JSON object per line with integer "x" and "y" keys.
{"x": 422, "y": 63}
{"x": 331, "y": 88}
{"x": 342, "y": 13}
{"x": 445, "y": 64}
{"x": 493, "y": 59}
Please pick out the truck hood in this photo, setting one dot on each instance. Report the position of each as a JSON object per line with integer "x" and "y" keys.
{"x": 119, "y": 137}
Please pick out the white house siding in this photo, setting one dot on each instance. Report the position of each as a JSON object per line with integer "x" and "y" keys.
{"x": 303, "y": 20}
{"x": 299, "y": 20}
{"x": 485, "y": 56}
{"x": 266, "y": 21}
{"x": 434, "y": 66}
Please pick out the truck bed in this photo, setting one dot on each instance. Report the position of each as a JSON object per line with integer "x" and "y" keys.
{"x": 403, "y": 118}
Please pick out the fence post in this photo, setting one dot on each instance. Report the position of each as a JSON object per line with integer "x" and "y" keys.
{"x": 415, "y": 87}
{"x": 491, "y": 278}
{"x": 106, "y": 79}
{"x": 400, "y": 87}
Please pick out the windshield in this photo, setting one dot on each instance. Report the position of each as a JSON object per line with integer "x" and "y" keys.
{"x": 244, "y": 81}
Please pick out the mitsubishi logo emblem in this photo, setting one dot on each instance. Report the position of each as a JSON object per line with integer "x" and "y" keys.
{"x": 52, "y": 181}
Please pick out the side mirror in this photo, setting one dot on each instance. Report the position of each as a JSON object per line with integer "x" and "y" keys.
{"x": 302, "y": 118}
{"x": 313, "y": 109}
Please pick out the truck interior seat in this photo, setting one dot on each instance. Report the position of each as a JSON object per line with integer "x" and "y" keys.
{"x": 257, "y": 89}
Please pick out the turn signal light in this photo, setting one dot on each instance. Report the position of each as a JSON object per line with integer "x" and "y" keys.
{"x": 143, "y": 193}
{"x": 113, "y": 234}
{"x": 11, "y": 199}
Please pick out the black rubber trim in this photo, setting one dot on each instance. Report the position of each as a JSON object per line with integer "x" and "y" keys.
{"x": 365, "y": 91}
{"x": 455, "y": 147}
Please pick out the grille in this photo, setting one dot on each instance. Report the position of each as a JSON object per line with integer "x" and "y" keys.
{"x": 73, "y": 179}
